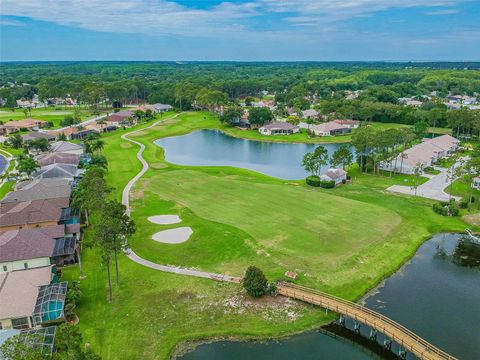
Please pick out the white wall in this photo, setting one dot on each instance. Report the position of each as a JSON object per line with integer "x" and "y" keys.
{"x": 19, "y": 265}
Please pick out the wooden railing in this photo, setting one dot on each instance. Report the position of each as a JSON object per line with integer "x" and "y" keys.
{"x": 407, "y": 339}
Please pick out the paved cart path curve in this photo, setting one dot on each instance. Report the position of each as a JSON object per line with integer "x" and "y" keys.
{"x": 126, "y": 201}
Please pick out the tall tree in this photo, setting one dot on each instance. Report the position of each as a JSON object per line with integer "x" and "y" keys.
{"x": 342, "y": 157}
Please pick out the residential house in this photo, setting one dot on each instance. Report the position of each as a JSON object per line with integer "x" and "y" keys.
{"x": 38, "y": 135}
{"x": 100, "y": 128}
{"x": 24, "y": 124}
{"x": 58, "y": 158}
{"x": 121, "y": 118}
{"x": 157, "y": 108}
{"x": 336, "y": 175}
{"x": 33, "y": 213}
{"x": 422, "y": 155}
{"x": 351, "y": 124}
{"x": 278, "y": 128}
{"x": 310, "y": 114}
{"x": 66, "y": 147}
{"x": 333, "y": 128}
{"x": 40, "y": 189}
{"x": 30, "y": 300}
{"x": 476, "y": 183}
{"x": 31, "y": 248}
{"x": 64, "y": 171}
{"x": 19, "y": 294}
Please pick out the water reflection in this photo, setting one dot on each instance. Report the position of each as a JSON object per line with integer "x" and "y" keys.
{"x": 466, "y": 252}
{"x": 214, "y": 148}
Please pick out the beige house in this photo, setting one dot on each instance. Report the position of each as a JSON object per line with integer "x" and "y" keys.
{"x": 17, "y": 125}
{"x": 18, "y": 296}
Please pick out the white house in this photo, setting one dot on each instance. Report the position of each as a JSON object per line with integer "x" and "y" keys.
{"x": 310, "y": 114}
{"x": 278, "y": 128}
{"x": 476, "y": 183}
{"x": 337, "y": 175}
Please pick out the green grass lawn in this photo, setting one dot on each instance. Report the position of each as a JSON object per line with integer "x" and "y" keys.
{"x": 343, "y": 240}
{"x": 54, "y": 114}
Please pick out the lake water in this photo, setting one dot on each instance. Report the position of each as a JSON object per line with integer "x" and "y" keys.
{"x": 214, "y": 148}
{"x": 3, "y": 164}
{"x": 436, "y": 294}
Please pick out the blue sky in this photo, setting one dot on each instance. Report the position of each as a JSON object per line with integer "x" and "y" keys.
{"x": 322, "y": 30}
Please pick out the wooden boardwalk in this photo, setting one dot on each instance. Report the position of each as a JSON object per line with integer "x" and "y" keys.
{"x": 394, "y": 331}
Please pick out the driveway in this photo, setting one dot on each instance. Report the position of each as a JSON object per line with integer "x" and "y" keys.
{"x": 433, "y": 189}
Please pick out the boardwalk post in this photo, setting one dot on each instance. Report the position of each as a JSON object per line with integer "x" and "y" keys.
{"x": 373, "y": 334}
{"x": 341, "y": 320}
{"x": 402, "y": 352}
{"x": 356, "y": 326}
{"x": 387, "y": 344}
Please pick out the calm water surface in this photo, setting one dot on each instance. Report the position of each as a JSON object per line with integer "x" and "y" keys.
{"x": 3, "y": 164}
{"x": 214, "y": 148}
{"x": 437, "y": 295}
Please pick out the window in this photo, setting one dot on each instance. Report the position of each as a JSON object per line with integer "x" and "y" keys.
{"x": 5, "y": 268}
{"x": 20, "y": 323}
{"x": 25, "y": 265}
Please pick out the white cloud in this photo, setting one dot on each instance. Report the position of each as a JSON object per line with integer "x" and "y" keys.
{"x": 443, "y": 12}
{"x": 10, "y": 22}
{"x": 227, "y": 19}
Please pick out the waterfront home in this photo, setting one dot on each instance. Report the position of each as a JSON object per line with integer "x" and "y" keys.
{"x": 39, "y": 189}
{"x": 31, "y": 248}
{"x": 422, "y": 155}
{"x": 24, "y": 124}
{"x": 278, "y": 128}
{"x": 351, "y": 124}
{"x": 333, "y": 128}
{"x": 33, "y": 213}
{"x": 32, "y": 305}
{"x": 66, "y": 147}
{"x": 336, "y": 175}
{"x": 64, "y": 171}
{"x": 58, "y": 158}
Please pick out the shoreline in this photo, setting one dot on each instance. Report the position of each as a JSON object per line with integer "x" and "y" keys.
{"x": 187, "y": 346}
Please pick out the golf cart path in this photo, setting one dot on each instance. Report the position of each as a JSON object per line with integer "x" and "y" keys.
{"x": 433, "y": 189}
{"x": 126, "y": 201}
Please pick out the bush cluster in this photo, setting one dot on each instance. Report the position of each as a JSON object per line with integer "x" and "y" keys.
{"x": 447, "y": 208}
{"x": 327, "y": 184}
{"x": 313, "y": 180}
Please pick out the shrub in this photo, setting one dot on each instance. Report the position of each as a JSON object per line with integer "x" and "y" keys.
{"x": 463, "y": 204}
{"x": 313, "y": 180}
{"x": 255, "y": 282}
{"x": 344, "y": 181}
{"x": 327, "y": 184}
{"x": 446, "y": 208}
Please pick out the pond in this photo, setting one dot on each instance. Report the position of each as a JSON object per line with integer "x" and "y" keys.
{"x": 436, "y": 295}
{"x": 214, "y": 148}
{"x": 3, "y": 164}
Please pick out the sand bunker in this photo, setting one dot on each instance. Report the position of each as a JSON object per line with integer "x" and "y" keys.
{"x": 173, "y": 236}
{"x": 164, "y": 219}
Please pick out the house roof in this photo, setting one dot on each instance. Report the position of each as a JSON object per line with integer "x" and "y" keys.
{"x": 347, "y": 122}
{"x": 327, "y": 127}
{"x": 279, "y": 126}
{"x": 310, "y": 112}
{"x": 24, "y": 123}
{"x": 31, "y": 212}
{"x": 24, "y": 244}
{"x": 19, "y": 291}
{"x": 57, "y": 171}
{"x": 64, "y": 146}
{"x": 58, "y": 158}
{"x": 445, "y": 142}
{"x": 37, "y": 135}
{"x": 39, "y": 189}
{"x": 335, "y": 173}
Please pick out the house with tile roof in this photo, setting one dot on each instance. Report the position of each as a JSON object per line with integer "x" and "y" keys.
{"x": 39, "y": 189}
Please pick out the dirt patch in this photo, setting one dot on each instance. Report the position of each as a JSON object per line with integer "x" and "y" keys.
{"x": 268, "y": 307}
{"x": 135, "y": 195}
{"x": 126, "y": 145}
{"x": 473, "y": 219}
{"x": 158, "y": 165}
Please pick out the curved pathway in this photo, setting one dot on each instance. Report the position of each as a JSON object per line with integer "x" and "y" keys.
{"x": 126, "y": 201}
